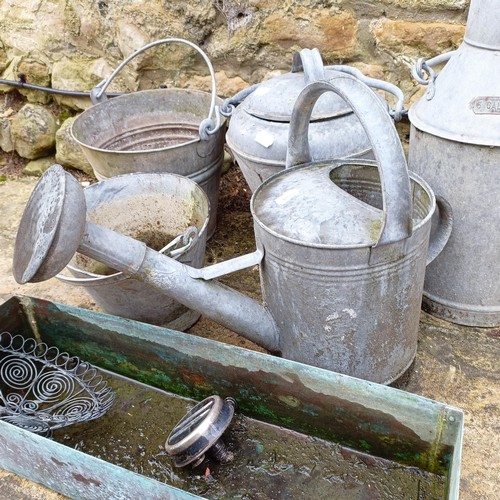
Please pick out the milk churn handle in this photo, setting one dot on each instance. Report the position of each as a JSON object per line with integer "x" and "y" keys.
{"x": 423, "y": 68}
{"x": 188, "y": 238}
{"x": 397, "y": 112}
{"x": 207, "y": 126}
{"x": 387, "y": 148}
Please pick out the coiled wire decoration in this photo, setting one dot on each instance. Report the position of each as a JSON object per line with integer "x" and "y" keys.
{"x": 42, "y": 389}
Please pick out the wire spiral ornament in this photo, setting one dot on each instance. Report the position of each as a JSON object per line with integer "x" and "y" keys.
{"x": 42, "y": 389}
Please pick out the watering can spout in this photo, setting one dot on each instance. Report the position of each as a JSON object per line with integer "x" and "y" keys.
{"x": 52, "y": 237}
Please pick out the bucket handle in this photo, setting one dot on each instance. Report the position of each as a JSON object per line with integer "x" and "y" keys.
{"x": 188, "y": 238}
{"x": 207, "y": 126}
{"x": 387, "y": 148}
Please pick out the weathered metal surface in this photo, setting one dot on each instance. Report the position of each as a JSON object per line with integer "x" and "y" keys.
{"x": 455, "y": 146}
{"x": 348, "y": 242}
{"x": 153, "y": 208}
{"x": 157, "y": 131}
{"x": 258, "y": 129}
{"x": 41, "y": 246}
{"x": 310, "y": 324}
{"x": 367, "y": 417}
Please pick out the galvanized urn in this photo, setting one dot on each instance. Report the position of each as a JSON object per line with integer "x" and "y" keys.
{"x": 455, "y": 146}
{"x": 260, "y": 119}
{"x": 342, "y": 247}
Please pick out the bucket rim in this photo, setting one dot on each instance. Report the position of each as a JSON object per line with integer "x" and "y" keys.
{"x": 96, "y": 279}
{"x": 332, "y": 164}
{"x": 87, "y": 115}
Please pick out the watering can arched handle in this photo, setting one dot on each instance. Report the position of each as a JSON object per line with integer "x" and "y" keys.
{"x": 207, "y": 126}
{"x": 387, "y": 148}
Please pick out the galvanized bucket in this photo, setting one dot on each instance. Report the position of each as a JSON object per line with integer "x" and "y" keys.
{"x": 346, "y": 245}
{"x": 164, "y": 130}
{"x": 156, "y": 209}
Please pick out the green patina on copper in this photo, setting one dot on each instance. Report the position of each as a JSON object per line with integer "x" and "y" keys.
{"x": 189, "y": 367}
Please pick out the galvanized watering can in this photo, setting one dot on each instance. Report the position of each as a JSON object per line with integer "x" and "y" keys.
{"x": 342, "y": 248}
{"x": 260, "y": 119}
{"x": 455, "y": 145}
{"x": 171, "y": 130}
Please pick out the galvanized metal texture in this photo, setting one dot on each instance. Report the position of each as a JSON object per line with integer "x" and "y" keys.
{"x": 465, "y": 101}
{"x": 310, "y": 324}
{"x": 258, "y": 130}
{"x": 41, "y": 248}
{"x": 161, "y": 130}
{"x": 455, "y": 145}
{"x": 375, "y": 419}
{"x": 151, "y": 208}
{"x": 383, "y": 137}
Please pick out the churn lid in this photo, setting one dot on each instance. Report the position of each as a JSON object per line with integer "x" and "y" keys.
{"x": 304, "y": 204}
{"x": 274, "y": 99}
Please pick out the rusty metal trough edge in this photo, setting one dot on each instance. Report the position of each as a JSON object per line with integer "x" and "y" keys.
{"x": 436, "y": 425}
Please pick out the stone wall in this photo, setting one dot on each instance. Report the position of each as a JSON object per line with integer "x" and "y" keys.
{"x": 74, "y": 44}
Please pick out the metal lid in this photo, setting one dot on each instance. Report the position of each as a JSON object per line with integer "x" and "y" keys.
{"x": 304, "y": 204}
{"x": 274, "y": 99}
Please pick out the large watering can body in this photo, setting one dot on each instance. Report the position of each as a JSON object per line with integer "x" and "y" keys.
{"x": 455, "y": 146}
{"x": 260, "y": 119}
{"x": 342, "y": 248}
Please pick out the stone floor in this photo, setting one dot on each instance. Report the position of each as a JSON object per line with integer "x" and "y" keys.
{"x": 454, "y": 364}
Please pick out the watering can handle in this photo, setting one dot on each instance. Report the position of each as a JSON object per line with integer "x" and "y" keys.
{"x": 383, "y": 137}
{"x": 207, "y": 126}
{"x": 307, "y": 60}
{"x": 442, "y": 232}
{"x": 310, "y": 62}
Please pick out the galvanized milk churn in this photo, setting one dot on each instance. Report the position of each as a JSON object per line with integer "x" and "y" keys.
{"x": 455, "y": 146}
{"x": 260, "y": 119}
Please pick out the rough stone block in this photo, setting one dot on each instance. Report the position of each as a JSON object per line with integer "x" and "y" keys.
{"x": 33, "y": 131}
{"x": 417, "y": 38}
{"x": 68, "y": 151}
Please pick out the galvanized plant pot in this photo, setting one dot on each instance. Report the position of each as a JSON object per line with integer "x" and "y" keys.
{"x": 455, "y": 146}
{"x": 155, "y": 209}
{"x": 162, "y": 130}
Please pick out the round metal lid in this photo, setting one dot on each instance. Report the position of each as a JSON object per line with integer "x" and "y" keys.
{"x": 274, "y": 99}
{"x": 305, "y": 205}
